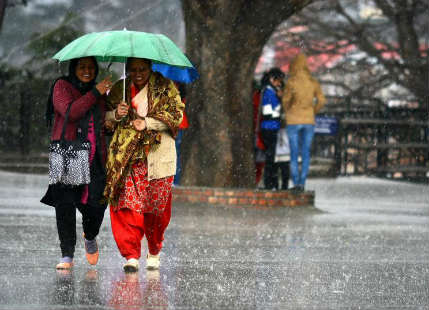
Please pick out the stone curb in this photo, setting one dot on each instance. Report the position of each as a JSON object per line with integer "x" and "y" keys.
{"x": 242, "y": 197}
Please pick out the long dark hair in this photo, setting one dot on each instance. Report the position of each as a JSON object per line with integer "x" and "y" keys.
{"x": 265, "y": 80}
{"x": 71, "y": 78}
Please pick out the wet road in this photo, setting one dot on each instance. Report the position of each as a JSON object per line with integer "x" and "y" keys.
{"x": 364, "y": 246}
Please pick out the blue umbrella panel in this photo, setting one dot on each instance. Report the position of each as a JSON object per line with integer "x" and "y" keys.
{"x": 178, "y": 74}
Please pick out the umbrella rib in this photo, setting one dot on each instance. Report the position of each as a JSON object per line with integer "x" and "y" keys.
{"x": 105, "y": 53}
{"x": 163, "y": 48}
{"x": 131, "y": 45}
{"x": 95, "y": 41}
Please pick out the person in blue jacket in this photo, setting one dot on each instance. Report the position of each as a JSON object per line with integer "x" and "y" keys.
{"x": 270, "y": 125}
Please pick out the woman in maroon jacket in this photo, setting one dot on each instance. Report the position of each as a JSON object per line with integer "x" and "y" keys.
{"x": 86, "y": 118}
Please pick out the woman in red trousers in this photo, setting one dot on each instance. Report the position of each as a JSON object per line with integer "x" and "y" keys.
{"x": 142, "y": 161}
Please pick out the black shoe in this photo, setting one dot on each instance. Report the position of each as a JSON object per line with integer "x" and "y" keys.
{"x": 297, "y": 189}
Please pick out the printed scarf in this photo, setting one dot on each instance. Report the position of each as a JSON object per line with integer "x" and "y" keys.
{"x": 128, "y": 145}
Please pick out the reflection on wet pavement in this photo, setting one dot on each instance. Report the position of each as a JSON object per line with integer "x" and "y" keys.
{"x": 365, "y": 245}
{"x": 130, "y": 292}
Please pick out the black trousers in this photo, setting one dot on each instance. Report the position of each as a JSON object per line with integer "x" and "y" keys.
{"x": 92, "y": 218}
{"x": 285, "y": 172}
{"x": 270, "y": 170}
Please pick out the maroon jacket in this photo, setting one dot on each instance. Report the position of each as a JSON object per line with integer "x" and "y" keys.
{"x": 64, "y": 94}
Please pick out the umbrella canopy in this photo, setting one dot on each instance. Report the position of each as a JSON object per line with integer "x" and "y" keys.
{"x": 117, "y": 46}
{"x": 178, "y": 74}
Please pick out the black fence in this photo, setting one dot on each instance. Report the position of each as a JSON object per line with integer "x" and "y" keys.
{"x": 376, "y": 140}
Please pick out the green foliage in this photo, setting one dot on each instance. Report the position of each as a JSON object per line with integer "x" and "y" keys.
{"x": 46, "y": 45}
{"x": 24, "y": 91}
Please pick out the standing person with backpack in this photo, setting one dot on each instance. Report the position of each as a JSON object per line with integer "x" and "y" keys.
{"x": 270, "y": 125}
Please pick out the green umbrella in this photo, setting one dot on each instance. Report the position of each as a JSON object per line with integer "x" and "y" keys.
{"x": 117, "y": 46}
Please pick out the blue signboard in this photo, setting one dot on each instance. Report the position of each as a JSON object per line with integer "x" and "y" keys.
{"x": 326, "y": 125}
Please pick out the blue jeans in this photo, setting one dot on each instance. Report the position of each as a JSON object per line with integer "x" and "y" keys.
{"x": 178, "y": 165}
{"x": 300, "y": 139}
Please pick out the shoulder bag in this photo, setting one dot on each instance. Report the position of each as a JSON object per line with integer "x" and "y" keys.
{"x": 69, "y": 160}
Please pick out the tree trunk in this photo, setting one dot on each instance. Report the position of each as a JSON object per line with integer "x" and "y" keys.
{"x": 224, "y": 39}
{"x": 416, "y": 77}
{"x": 3, "y": 4}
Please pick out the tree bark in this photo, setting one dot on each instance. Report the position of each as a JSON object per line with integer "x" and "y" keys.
{"x": 3, "y": 4}
{"x": 224, "y": 40}
{"x": 415, "y": 72}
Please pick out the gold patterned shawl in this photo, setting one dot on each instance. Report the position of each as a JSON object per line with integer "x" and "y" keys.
{"x": 128, "y": 145}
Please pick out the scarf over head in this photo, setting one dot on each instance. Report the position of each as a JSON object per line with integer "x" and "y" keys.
{"x": 128, "y": 145}
{"x": 72, "y": 79}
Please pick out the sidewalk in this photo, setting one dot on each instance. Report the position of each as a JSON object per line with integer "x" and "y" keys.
{"x": 365, "y": 245}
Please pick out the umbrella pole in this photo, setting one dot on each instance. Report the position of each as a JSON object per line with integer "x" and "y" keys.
{"x": 123, "y": 94}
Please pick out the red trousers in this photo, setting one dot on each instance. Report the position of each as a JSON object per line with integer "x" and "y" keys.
{"x": 129, "y": 228}
{"x": 259, "y": 167}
